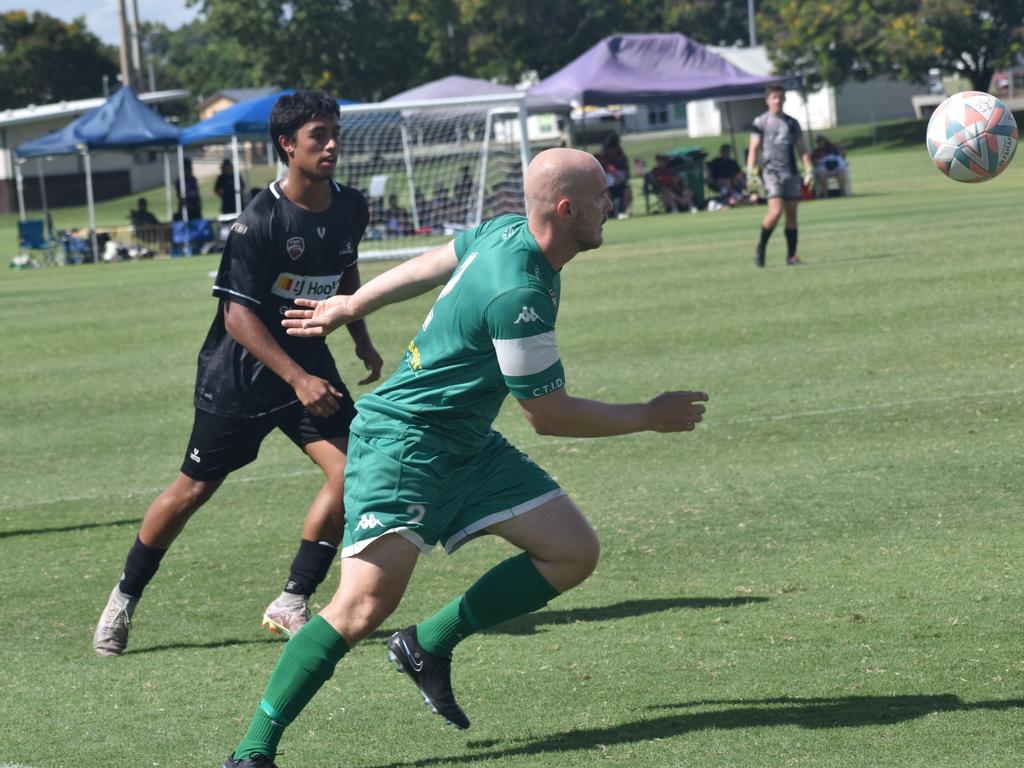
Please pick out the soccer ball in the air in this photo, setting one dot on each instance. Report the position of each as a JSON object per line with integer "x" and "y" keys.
{"x": 972, "y": 136}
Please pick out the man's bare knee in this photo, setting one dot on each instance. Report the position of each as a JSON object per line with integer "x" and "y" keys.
{"x": 356, "y": 616}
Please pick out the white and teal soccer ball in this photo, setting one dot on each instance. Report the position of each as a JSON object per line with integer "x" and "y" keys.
{"x": 972, "y": 136}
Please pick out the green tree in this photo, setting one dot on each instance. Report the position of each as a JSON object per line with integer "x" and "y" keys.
{"x": 358, "y": 49}
{"x": 196, "y": 58}
{"x": 975, "y": 37}
{"x": 839, "y": 40}
{"x": 44, "y": 59}
{"x": 831, "y": 41}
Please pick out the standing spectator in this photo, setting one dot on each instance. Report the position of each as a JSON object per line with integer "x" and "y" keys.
{"x": 191, "y": 202}
{"x": 616, "y": 167}
{"x": 224, "y": 188}
{"x": 779, "y": 137}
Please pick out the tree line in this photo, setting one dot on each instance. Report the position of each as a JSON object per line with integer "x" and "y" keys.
{"x": 370, "y": 49}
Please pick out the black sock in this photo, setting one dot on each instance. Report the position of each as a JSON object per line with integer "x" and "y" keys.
{"x": 790, "y": 243}
{"x": 140, "y": 567}
{"x": 310, "y": 567}
{"x": 765, "y": 234}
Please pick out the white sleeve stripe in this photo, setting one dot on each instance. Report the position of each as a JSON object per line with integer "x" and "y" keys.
{"x": 219, "y": 289}
{"x": 525, "y": 357}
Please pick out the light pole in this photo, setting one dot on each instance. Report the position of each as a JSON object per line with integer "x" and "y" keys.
{"x": 750, "y": 23}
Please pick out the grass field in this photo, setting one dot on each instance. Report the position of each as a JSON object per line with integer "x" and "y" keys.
{"x": 826, "y": 573}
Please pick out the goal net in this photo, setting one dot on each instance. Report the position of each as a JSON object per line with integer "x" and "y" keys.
{"x": 429, "y": 169}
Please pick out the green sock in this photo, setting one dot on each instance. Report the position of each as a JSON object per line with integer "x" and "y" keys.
{"x": 512, "y": 588}
{"x": 307, "y": 662}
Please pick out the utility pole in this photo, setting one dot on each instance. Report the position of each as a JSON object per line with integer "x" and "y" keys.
{"x": 126, "y": 71}
{"x": 137, "y": 78}
{"x": 750, "y": 23}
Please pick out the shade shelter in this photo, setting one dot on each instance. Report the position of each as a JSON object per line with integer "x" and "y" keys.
{"x": 246, "y": 120}
{"x": 457, "y": 86}
{"x": 122, "y": 123}
{"x": 644, "y": 68}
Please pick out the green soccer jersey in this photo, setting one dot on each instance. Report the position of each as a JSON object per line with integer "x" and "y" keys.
{"x": 491, "y": 332}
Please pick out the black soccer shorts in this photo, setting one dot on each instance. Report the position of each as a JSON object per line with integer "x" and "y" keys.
{"x": 218, "y": 446}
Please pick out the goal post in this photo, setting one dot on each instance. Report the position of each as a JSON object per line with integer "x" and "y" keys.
{"x": 432, "y": 168}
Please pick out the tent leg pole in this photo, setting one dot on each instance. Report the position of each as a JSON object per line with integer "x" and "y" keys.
{"x": 238, "y": 174}
{"x": 92, "y": 207}
{"x": 167, "y": 186}
{"x": 19, "y": 183}
{"x": 183, "y": 205}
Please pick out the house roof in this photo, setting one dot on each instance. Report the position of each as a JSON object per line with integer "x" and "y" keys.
{"x": 236, "y": 95}
{"x": 34, "y": 113}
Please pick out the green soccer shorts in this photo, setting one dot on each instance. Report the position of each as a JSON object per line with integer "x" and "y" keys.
{"x": 426, "y": 496}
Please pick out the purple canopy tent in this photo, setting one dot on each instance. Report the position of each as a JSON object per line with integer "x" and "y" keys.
{"x": 644, "y": 68}
{"x": 636, "y": 69}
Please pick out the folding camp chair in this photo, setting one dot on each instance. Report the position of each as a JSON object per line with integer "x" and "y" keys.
{"x": 33, "y": 239}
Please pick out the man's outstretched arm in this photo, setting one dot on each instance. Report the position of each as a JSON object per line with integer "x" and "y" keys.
{"x": 563, "y": 415}
{"x": 407, "y": 280}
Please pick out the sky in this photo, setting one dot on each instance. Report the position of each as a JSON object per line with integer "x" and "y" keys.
{"x": 101, "y": 15}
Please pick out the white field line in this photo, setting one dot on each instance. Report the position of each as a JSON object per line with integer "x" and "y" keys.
{"x": 264, "y": 477}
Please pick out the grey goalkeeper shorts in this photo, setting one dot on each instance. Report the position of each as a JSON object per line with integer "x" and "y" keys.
{"x": 786, "y": 186}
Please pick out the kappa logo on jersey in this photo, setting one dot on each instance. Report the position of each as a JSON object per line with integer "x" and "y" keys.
{"x": 195, "y": 456}
{"x": 507, "y": 232}
{"x": 290, "y": 286}
{"x": 368, "y": 521}
{"x": 528, "y": 315}
{"x": 239, "y": 227}
{"x": 295, "y": 246}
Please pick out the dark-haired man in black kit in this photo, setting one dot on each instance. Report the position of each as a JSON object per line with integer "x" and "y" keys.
{"x": 298, "y": 238}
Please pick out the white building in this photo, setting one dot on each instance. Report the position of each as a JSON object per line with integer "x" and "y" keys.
{"x": 114, "y": 173}
{"x": 868, "y": 102}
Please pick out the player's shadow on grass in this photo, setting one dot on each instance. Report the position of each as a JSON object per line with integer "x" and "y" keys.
{"x": 840, "y": 712}
{"x": 532, "y": 623}
{"x": 67, "y": 528}
{"x": 212, "y": 645}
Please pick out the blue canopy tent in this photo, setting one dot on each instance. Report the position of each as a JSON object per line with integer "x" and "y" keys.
{"x": 121, "y": 123}
{"x": 247, "y": 120}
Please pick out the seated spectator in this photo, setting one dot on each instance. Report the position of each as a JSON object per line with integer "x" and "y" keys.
{"x": 670, "y": 187}
{"x": 397, "y": 222}
{"x": 726, "y": 177}
{"x": 829, "y": 161}
{"x": 441, "y": 207}
{"x": 141, "y": 215}
{"x": 616, "y": 166}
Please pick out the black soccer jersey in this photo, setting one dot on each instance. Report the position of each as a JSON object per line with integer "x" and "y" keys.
{"x": 276, "y": 252}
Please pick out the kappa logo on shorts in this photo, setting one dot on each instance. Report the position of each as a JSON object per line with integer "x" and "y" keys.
{"x": 368, "y": 521}
{"x": 295, "y": 246}
{"x": 195, "y": 456}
